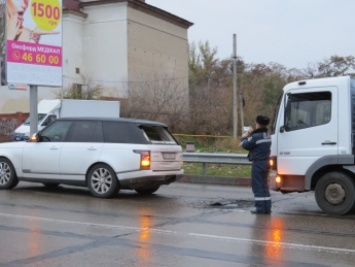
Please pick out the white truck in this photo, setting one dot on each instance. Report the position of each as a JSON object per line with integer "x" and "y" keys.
{"x": 313, "y": 142}
{"x": 51, "y": 109}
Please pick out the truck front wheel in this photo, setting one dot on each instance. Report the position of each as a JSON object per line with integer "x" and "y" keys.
{"x": 335, "y": 193}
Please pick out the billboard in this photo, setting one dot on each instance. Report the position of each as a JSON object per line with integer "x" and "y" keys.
{"x": 34, "y": 42}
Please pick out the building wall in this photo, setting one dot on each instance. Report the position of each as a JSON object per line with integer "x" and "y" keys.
{"x": 157, "y": 65}
{"x": 12, "y": 101}
{"x": 155, "y": 47}
{"x": 105, "y": 48}
{"x": 9, "y": 122}
{"x": 73, "y": 49}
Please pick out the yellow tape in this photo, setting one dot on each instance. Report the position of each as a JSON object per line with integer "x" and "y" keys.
{"x": 197, "y": 135}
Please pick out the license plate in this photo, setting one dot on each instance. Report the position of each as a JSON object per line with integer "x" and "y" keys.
{"x": 169, "y": 155}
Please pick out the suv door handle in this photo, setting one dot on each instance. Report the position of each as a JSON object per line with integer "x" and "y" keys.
{"x": 329, "y": 143}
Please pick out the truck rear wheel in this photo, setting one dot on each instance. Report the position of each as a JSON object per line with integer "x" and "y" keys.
{"x": 335, "y": 193}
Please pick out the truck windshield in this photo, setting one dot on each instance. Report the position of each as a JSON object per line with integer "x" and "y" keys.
{"x": 41, "y": 116}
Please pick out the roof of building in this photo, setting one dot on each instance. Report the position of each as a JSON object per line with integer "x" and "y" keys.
{"x": 77, "y": 7}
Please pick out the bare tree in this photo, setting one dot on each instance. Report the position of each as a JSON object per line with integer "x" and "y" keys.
{"x": 209, "y": 91}
{"x": 334, "y": 66}
{"x": 163, "y": 99}
{"x": 77, "y": 91}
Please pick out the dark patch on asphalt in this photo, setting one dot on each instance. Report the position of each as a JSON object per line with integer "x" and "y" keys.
{"x": 223, "y": 204}
{"x": 231, "y": 204}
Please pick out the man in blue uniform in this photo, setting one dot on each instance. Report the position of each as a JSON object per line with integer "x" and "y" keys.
{"x": 258, "y": 143}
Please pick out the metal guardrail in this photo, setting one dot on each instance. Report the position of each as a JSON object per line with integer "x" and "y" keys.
{"x": 218, "y": 158}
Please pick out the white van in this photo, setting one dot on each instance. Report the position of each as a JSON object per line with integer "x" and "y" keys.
{"x": 50, "y": 109}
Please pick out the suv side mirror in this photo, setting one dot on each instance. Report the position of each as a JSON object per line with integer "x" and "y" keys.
{"x": 35, "y": 138}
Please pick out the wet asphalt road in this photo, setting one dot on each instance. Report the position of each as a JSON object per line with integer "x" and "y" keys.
{"x": 181, "y": 225}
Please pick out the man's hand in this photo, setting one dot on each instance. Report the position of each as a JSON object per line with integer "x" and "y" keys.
{"x": 247, "y": 133}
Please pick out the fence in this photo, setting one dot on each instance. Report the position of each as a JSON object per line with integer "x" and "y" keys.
{"x": 221, "y": 158}
{"x": 8, "y": 124}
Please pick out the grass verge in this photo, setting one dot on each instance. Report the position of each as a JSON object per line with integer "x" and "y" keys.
{"x": 233, "y": 170}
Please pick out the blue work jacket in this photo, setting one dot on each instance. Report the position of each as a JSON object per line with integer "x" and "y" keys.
{"x": 258, "y": 144}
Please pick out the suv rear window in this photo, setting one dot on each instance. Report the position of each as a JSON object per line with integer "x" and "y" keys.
{"x": 156, "y": 134}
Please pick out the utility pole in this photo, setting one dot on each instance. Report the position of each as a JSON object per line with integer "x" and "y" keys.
{"x": 235, "y": 96}
{"x": 241, "y": 97}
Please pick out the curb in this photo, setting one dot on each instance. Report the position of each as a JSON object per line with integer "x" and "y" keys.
{"x": 214, "y": 180}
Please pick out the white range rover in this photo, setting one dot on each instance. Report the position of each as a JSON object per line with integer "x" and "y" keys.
{"x": 105, "y": 155}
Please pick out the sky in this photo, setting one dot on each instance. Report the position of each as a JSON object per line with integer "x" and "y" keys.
{"x": 294, "y": 33}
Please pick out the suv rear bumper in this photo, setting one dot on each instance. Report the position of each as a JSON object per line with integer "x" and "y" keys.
{"x": 147, "y": 178}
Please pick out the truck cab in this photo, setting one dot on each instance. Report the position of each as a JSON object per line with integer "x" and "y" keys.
{"x": 312, "y": 142}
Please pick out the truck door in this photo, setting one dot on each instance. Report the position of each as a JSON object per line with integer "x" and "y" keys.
{"x": 309, "y": 129}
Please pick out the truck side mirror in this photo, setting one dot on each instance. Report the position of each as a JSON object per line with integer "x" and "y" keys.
{"x": 282, "y": 129}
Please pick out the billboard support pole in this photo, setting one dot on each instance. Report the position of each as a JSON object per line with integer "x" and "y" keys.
{"x": 33, "y": 110}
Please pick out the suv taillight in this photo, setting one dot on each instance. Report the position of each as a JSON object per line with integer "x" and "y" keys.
{"x": 145, "y": 159}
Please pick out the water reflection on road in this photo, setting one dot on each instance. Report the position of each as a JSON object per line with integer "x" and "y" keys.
{"x": 274, "y": 234}
{"x": 144, "y": 246}
{"x": 34, "y": 238}
{"x": 267, "y": 239}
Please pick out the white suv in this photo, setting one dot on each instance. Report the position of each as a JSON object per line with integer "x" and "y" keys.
{"x": 105, "y": 155}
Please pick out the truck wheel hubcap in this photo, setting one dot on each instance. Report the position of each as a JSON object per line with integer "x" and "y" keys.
{"x": 335, "y": 194}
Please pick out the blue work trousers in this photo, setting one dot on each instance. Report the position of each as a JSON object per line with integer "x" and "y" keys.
{"x": 259, "y": 183}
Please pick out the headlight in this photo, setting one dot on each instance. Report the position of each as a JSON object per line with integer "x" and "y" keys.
{"x": 273, "y": 163}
